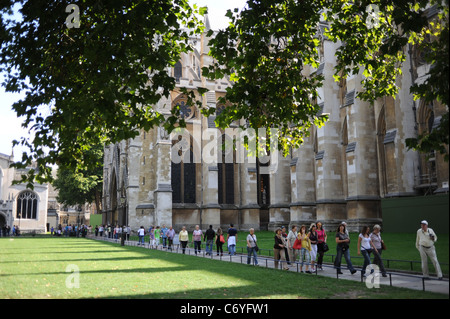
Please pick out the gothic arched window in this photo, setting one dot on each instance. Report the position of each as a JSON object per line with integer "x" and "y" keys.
{"x": 226, "y": 168}
{"x": 183, "y": 175}
{"x": 27, "y": 203}
{"x": 178, "y": 71}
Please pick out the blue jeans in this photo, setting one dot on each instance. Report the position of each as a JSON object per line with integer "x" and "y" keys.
{"x": 346, "y": 253}
{"x": 141, "y": 240}
{"x": 251, "y": 251}
{"x": 209, "y": 246}
{"x": 197, "y": 246}
{"x": 164, "y": 242}
{"x": 366, "y": 255}
{"x": 232, "y": 250}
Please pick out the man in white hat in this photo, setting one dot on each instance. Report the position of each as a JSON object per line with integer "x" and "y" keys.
{"x": 425, "y": 244}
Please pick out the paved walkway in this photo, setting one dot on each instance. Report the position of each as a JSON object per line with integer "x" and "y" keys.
{"x": 394, "y": 278}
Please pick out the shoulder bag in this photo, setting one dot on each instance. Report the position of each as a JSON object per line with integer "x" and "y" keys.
{"x": 256, "y": 246}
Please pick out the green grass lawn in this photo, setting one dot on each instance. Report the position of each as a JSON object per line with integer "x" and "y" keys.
{"x": 41, "y": 267}
{"x": 400, "y": 246}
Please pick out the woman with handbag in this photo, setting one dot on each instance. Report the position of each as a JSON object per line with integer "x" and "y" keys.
{"x": 322, "y": 246}
{"x": 305, "y": 250}
{"x": 343, "y": 249}
{"x": 312, "y": 235}
{"x": 291, "y": 238}
{"x": 220, "y": 240}
{"x": 252, "y": 248}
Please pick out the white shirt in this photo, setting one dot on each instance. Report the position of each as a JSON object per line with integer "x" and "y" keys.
{"x": 141, "y": 231}
{"x": 365, "y": 242}
{"x": 423, "y": 238}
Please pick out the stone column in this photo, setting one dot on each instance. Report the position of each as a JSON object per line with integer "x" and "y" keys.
{"x": 163, "y": 192}
{"x": 280, "y": 192}
{"x": 363, "y": 201}
{"x": 331, "y": 205}
{"x": 303, "y": 193}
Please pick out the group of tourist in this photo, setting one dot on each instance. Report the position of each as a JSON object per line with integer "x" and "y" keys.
{"x": 306, "y": 245}
{"x": 112, "y": 231}
{"x": 165, "y": 236}
{"x": 70, "y": 230}
{"x": 310, "y": 245}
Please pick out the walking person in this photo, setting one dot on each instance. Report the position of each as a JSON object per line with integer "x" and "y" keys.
{"x": 164, "y": 230}
{"x": 321, "y": 244}
{"x": 170, "y": 236}
{"x": 151, "y": 237}
{"x": 278, "y": 250}
{"x": 292, "y": 236}
{"x": 128, "y": 231}
{"x": 286, "y": 253}
{"x": 157, "y": 233}
{"x": 141, "y": 234}
{"x": 220, "y": 240}
{"x": 313, "y": 238}
{"x": 252, "y": 247}
{"x": 425, "y": 240}
{"x": 379, "y": 244}
{"x": 232, "y": 240}
{"x": 184, "y": 238}
{"x": 343, "y": 249}
{"x": 365, "y": 247}
{"x": 209, "y": 238}
{"x": 197, "y": 239}
{"x": 305, "y": 256}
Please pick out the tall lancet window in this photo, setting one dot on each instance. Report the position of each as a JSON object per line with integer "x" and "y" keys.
{"x": 178, "y": 71}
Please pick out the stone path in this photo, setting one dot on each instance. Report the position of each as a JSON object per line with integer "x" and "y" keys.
{"x": 394, "y": 278}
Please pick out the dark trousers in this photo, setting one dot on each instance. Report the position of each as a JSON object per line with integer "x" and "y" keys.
{"x": 183, "y": 246}
{"x": 377, "y": 261}
{"x": 320, "y": 253}
{"x": 219, "y": 246}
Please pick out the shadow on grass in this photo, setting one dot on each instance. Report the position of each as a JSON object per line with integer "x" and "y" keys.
{"x": 236, "y": 280}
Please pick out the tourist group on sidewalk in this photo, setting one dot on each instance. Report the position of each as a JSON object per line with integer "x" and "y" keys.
{"x": 305, "y": 245}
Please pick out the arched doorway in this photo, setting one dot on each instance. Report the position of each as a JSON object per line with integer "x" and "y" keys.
{"x": 2, "y": 225}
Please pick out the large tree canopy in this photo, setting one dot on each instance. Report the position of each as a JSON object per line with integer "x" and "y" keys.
{"x": 270, "y": 44}
{"x": 101, "y": 77}
{"x": 99, "y": 74}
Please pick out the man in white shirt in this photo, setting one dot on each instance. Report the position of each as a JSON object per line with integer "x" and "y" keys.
{"x": 141, "y": 234}
{"x": 425, "y": 244}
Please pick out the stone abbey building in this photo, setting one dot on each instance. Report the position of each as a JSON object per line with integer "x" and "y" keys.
{"x": 342, "y": 172}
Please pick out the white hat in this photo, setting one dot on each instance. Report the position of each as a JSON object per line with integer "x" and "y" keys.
{"x": 424, "y": 222}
